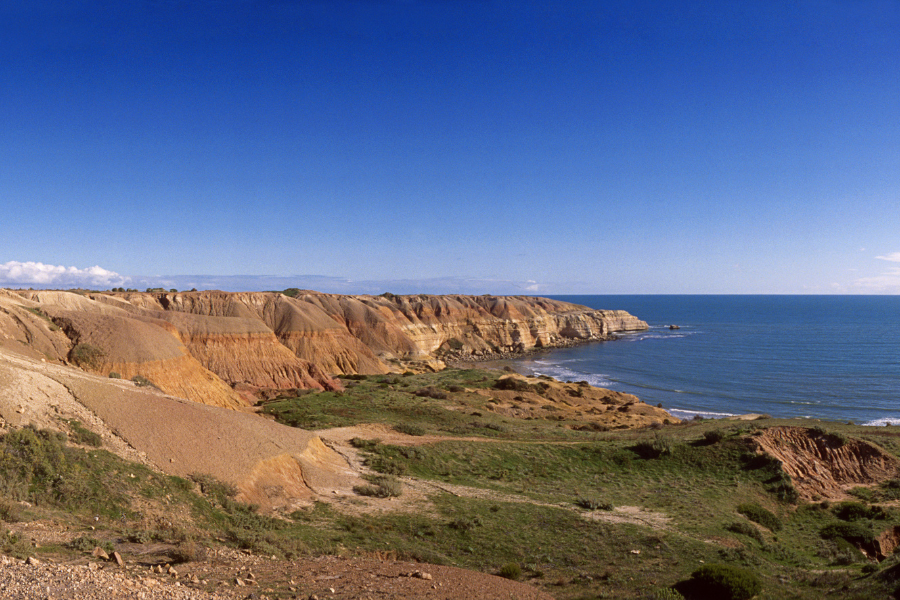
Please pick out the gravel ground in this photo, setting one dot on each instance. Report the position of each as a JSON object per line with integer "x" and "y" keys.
{"x": 32, "y": 580}
{"x": 235, "y": 575}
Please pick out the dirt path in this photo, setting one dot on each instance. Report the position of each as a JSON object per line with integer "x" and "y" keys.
{"x": 416, "y": 492}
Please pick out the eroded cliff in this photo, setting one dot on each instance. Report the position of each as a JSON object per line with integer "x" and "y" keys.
{"x": 205, "y": 345}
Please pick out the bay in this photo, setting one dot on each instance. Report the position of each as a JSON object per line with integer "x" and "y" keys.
{"x": 826, "y": 357}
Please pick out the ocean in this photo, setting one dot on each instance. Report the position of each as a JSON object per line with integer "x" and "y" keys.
{"x": 822, "y": 357}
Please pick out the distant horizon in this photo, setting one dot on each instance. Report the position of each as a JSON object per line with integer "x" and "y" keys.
{"x": 337, "y": 285}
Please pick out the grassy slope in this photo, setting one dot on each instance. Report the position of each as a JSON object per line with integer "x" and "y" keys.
{"x": 535, "y": 476}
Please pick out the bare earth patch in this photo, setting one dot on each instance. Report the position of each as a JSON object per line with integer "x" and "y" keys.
{"x": 824, "y": 466}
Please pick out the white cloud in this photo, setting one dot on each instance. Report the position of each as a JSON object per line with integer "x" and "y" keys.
{"x": 893, "y": 257}
{"x": 15, "y": 273}
{"x": 342, "y": 285}
{"x": 886, "y": 283}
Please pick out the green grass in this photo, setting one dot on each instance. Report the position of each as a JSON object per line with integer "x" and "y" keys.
{"x": 583, "y": 514}
{"x": 434, "y": 404}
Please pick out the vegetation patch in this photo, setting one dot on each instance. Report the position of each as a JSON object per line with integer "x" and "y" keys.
{"x": 724, "y": 582}
{"x": 758, "y": 514}
{"x": 141, "y": 381}
{"x": 86, "y": 356}
{"x": 857, "y": 511}
{"x": 381, "y": 486}
{"x": 855, "y": 533}
{"x": 510, "y": 571}
{"x": 82, "y": 435}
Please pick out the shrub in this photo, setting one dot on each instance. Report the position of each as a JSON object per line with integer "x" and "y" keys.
{"x": 758, "y": 514}
{"x": 188, "y": 551}
{"x": 846, "y": 553}
{"x": 385, "y": 465}
{"x": 431, "y": 392}
{"x": 86, "y": 356}
{"x": 87, "y": 544}
{"x": 9, "y": 511}
{"x": 381, "y": 487}
{"x": 653, "y": 449}
{"x": 142, "y": 536}
{"x": 214, "y": 488}
{"x": 13, "y": 544}
{"x": 747, "y": 529}
{"x": 854, "y": 511}
{"x": 114, "y": 375}
{"x": 510, "y": 571}
{"x": 141, "y": 381}
{"x": 464, "y": 524}
{"x": 853, "y": 532}
{"x": 591, "y": 504}
{"x": 81, "y": 435}
{"x": 713, "y": 436}
{"x": 783, "y": 488}
{"x": 514, "y": 384}
{"x": 410, "y": 429}
{"x": 31, "y": 458}
{"x": 363, "y": 444}
{"x": 725, "y": 582}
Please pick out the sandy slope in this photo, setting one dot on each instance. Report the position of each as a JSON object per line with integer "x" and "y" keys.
{"x": 272, "y": 465}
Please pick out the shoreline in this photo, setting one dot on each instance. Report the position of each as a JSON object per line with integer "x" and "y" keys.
{"x": 472, "y": 361}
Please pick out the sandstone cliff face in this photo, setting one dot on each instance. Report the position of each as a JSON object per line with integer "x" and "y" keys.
{"x": 146, "y": 347}
{"x": 203, "y": 345}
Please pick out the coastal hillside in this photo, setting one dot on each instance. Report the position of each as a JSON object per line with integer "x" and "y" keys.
{"x": 386, "y": 484}
{"x": 222, "y": 348}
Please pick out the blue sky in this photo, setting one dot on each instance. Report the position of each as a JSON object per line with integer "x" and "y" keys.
{"x": 452, "y": 145}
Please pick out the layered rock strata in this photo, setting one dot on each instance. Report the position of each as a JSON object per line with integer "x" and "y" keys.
{"x": 204, "y": 345}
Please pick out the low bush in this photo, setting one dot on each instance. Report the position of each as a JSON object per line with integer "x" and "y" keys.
{"x": 783, "y": 488}
{"x": 758, "y": 514}
{"x": 510, "y": 571}
{"x": 714, "y": 436}
{"x": 853, "y": 532}
{"x": 431, "y": 392}
{"x": 592, "y": 504}
{"x": 81, "y": 435}
{"x": 655, "y": 448}
{"x": 87, "y": 544}
{"x": 10, "y": 511}
{"x": 855, "y": 511}
{"x": 86, "y": 356}
{"x": 380, "y": 487}
{"x": 15, "y": 545}
{"x": 214, "y": 488}
{"x": 514, "y": 384}
{"x": 363, "y": 444}
{"x": 465, "y": 524}
{"x": 385, "y": 465}
{"x": 409, "y": 429}
{"x": 141, "y": 381}
{"x": 724, "y": 582}
{"x": 187, "y": 551}
{"x": 744, "y": 528}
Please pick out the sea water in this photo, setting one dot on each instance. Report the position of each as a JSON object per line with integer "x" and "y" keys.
{"x": 824, "y": 357}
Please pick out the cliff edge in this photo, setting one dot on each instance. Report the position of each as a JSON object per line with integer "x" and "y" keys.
{"x": 220, "y": 348}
